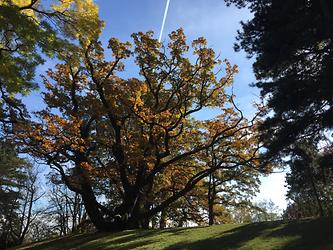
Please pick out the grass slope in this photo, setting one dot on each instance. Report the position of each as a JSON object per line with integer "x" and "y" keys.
{"x": 304, "y": 234}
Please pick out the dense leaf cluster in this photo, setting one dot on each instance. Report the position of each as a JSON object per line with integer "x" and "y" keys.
{"x": 292, "y": 43}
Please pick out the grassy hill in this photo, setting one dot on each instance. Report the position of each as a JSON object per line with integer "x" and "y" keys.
{"x": 304, "y": 234}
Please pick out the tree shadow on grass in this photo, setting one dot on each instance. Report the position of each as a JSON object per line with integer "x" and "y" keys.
{"x": 230, "y": 239}
{"x": 312, "y": 234}
{"x": 64, "y": 242}
{"x": 109, "y": 245}
{"x": 305, "y": 234}
{"x": 94, "y": 241}
{"x": 129, "y": 239}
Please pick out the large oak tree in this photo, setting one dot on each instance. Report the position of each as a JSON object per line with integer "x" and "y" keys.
{"x": 131, "y": 147}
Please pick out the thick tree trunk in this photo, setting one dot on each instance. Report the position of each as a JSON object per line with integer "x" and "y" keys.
{"x": 127, "y": 216}
{"x": 163, "y": 219}
{"x": 211, "y": 214}
{"x": 93, "y": 211}
{"x": 211, "y": 199}
{"x": 134, "y": 212}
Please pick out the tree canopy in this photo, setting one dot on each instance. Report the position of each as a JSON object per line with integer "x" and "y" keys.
{"x": 135, "y": 141}
{"x": 124, "y": 151}
{"x": 292, "y": 45}
{"x": 31, "y": 30}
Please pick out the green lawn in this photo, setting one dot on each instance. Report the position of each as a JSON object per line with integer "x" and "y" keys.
{"x": 305, "y": 234}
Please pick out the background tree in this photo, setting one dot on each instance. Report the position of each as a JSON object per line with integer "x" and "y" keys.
{"x": 60, "y": 213}
{"x": 309, "y": 182}
{"x": 133, "y": 135}
{"x": 31, "y": 30}
{"x": 65, "y": 208}
{"x": 214, "y": 198}
{"x": 186, "y": 211}
{"x": 292, "y": 42}
{"x": 242, "y": 213}
{"x": 228, "y": 187}
{"x": 30, "y": 194}
{"x": 265, "y": 210}
{"x": 11, "y": 178}
{"x": 18, "y": 195}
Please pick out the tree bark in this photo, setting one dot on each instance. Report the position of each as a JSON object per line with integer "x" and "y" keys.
{"x": 163, "y": 219}
{"x": 93, "y": 210}
{"x": 315, "y": 191}
{"x": 211, "y": 199}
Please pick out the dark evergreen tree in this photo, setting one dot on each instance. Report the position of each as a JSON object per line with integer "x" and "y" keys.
{"x": 309, "y": 182}
{"x": 11, "y": 179}
{"x": 292, "y": 42}
{"x": 19, "y": 193}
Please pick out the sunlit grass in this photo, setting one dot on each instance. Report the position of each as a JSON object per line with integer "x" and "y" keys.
{"x": 304, "y": 234}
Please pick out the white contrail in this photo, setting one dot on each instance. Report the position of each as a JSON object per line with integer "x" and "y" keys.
{"x": 164, "y": 18}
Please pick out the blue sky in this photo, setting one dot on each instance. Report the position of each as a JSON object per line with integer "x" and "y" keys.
{"x": 208, "y": 18}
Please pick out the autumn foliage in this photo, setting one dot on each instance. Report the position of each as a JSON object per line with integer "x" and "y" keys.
{"x": 133, "y": 146}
